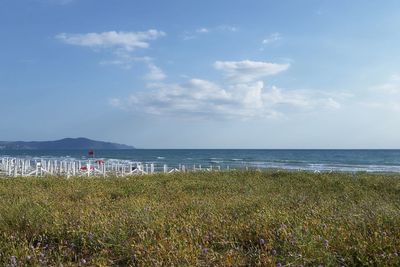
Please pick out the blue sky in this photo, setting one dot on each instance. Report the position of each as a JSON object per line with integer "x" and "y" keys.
{"x": 202, "y": 74}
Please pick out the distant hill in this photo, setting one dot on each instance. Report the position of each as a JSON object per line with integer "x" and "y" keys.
{"x": 66, "y": 143}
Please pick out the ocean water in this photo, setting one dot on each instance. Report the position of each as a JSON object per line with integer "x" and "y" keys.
{"x": 310, "y": 160}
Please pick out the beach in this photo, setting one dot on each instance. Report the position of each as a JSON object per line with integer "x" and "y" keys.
{"x": 120, "y": 162}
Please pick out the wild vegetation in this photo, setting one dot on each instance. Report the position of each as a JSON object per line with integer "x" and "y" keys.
{"x": 202, "y": 219}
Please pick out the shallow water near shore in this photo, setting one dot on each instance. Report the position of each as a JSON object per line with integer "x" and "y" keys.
{"x": 310, "y": 160}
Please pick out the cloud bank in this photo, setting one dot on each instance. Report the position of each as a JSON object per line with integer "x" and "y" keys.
{"x": 243, "y": 96}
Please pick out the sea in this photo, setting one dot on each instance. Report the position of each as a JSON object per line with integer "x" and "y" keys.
{"x": 387, "y": 161}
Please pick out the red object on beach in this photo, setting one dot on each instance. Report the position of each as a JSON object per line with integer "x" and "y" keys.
{"x": 84, "y": 168}
{"x": 91, "y": 153}
{"x": 99, "y": 161}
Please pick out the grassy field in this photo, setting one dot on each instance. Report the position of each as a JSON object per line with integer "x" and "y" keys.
{"x": 202, "y": 219}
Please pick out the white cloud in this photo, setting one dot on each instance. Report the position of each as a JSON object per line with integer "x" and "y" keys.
{"x": 128, "y": 41}
{"x": 205, "y": 99}
{"x": 200, "y": 98}
{"x": 274, "y": 37}
{"x": 203, "y": 30}
{"x": 332, "y": 103}
{"x": 242, "y": 96}
{"x": 277, "y": 97}
{"x": 122, "y": 44}
{"x": 126, "y": 60}
{"x": 155, "y": 73}
{"x": 300, "y": 99}
{"x": 117, "y": 62}
{"x": 193, "y": 34}
{"x": 247, "y": 71}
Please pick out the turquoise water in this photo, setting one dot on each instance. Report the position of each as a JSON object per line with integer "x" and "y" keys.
{"x": 313, "y": 160}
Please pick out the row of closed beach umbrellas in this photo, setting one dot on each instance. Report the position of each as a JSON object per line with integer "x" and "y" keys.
{"x": 21, "y": 167}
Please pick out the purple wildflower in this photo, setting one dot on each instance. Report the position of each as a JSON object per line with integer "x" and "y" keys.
{"x": 133, "y": 259}
{"x": 262, "y": 242}
{"x": 13, "y": 261}
{"x": 90, "y": 236}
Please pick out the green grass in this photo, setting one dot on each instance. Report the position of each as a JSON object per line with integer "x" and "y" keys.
{"x": 203, "y": 219}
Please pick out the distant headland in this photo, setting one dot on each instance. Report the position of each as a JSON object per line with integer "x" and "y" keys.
{"x": 66, "y": 143}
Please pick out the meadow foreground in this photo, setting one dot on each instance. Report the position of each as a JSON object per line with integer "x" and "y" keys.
{"x": 202, "y": 219}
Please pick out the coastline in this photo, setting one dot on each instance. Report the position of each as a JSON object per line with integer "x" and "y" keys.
{"x": 380, "y": 161}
